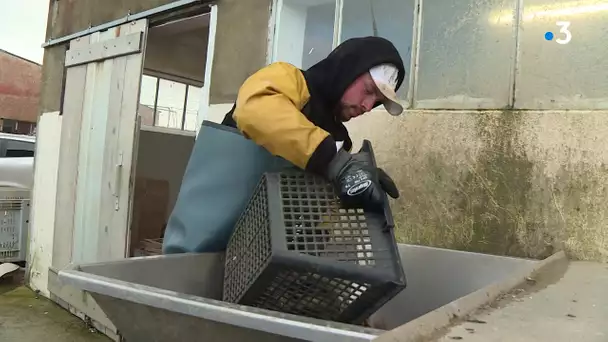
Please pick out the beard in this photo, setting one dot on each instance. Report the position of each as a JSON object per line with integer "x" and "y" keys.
{"x": 342, "y": 112}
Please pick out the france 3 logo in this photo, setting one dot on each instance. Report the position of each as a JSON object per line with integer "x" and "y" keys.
{"x": 564, "y": 36}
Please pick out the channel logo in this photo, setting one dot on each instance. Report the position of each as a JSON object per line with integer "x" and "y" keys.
{"x": 564, "y": 36}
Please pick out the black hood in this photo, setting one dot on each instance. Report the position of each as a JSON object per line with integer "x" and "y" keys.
{"x": 330, "y": 78}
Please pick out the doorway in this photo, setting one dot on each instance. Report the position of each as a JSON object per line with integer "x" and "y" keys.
{"x": 170, "y": 100}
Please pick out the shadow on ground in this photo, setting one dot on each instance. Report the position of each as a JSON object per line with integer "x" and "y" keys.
{"x": 25, "y": 317}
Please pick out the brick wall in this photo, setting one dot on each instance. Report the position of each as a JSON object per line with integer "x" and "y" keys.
{"x": 19, "y": 88}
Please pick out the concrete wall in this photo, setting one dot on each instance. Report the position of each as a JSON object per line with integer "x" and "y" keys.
{"x": 507, "y": 182}
{"x": 19, "y": 88}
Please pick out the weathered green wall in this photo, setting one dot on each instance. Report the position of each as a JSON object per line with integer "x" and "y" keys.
{"x": 509, "y": 183}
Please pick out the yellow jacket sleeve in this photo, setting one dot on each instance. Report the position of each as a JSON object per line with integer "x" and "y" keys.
{"x": 268, "y": 111}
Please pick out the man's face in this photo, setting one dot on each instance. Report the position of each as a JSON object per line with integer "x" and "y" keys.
{"x": 359, "y": 98}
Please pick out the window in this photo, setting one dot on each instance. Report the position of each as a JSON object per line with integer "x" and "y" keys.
{"x": 390, "y": 19}
{"x": 306, "y": 31}
{"x": 170, "y": 104}
{"x": 10, "y": 148}
{"x": 9, "y": 126}
{"x": 17, "y": 127}
{"x": 570, "y": 69}
{"x": 18, "y": 152}
{"x": 466, "y": 54}
{"x": 465, "y": 62}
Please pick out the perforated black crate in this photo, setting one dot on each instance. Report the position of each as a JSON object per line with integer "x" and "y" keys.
{"x": 295, "y": 249}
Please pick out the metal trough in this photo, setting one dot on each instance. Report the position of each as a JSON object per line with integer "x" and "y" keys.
{"x": 175, "y": 297}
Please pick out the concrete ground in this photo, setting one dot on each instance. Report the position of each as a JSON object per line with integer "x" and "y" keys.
{"x": 575, "y": 308}
{"x": 26, "y": 317}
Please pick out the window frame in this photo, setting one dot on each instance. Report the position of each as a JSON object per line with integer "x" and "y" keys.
{"x": 169, "y": 78}
{"x": 412, "y": 69}
{"x": 514, "y": 100}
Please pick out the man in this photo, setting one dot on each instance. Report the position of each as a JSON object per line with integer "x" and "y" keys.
{"x": 299, "y": 115}
{"x": 282, "y": 112}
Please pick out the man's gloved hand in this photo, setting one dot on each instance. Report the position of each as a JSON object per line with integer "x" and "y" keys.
{"x": 358, "y": 184}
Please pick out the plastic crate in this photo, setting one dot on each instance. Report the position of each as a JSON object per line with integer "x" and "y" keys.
{"x": 296, "y": 250}
{"x": 14, "y": 222}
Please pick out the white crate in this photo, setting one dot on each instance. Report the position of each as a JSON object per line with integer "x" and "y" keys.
{"x": 14, "y": 223}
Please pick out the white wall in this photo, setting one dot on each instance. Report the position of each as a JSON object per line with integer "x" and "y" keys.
{"x": 42, "y": 221}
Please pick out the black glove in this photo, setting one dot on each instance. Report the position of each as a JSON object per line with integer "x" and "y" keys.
{"x": 358, "y": 184}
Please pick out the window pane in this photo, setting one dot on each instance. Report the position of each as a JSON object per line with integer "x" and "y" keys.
{"x": 24, "y": 127}
{"x": 319, "y": 34}
{"x": 170, "y": 104}
{"x": 9, "y": 126}
{"x": 15, "y": 153}
{"x": 466, "y": 56}
{"x": 146, "y": 100}
{"x": 194, "y": 96}
{"x": 18, "y": 148}
{"x": 570, "y": 76}
{"x": 305, "y": 31}
{"x": 393, "y": 20}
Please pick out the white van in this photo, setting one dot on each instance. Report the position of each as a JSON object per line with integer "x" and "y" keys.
{"x": 17, "y": 160}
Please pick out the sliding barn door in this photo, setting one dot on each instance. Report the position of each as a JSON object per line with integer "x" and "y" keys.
{"x": 98, "y": 145}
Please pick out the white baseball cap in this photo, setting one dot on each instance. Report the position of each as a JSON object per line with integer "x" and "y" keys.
{"x": 385, "y": 76}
